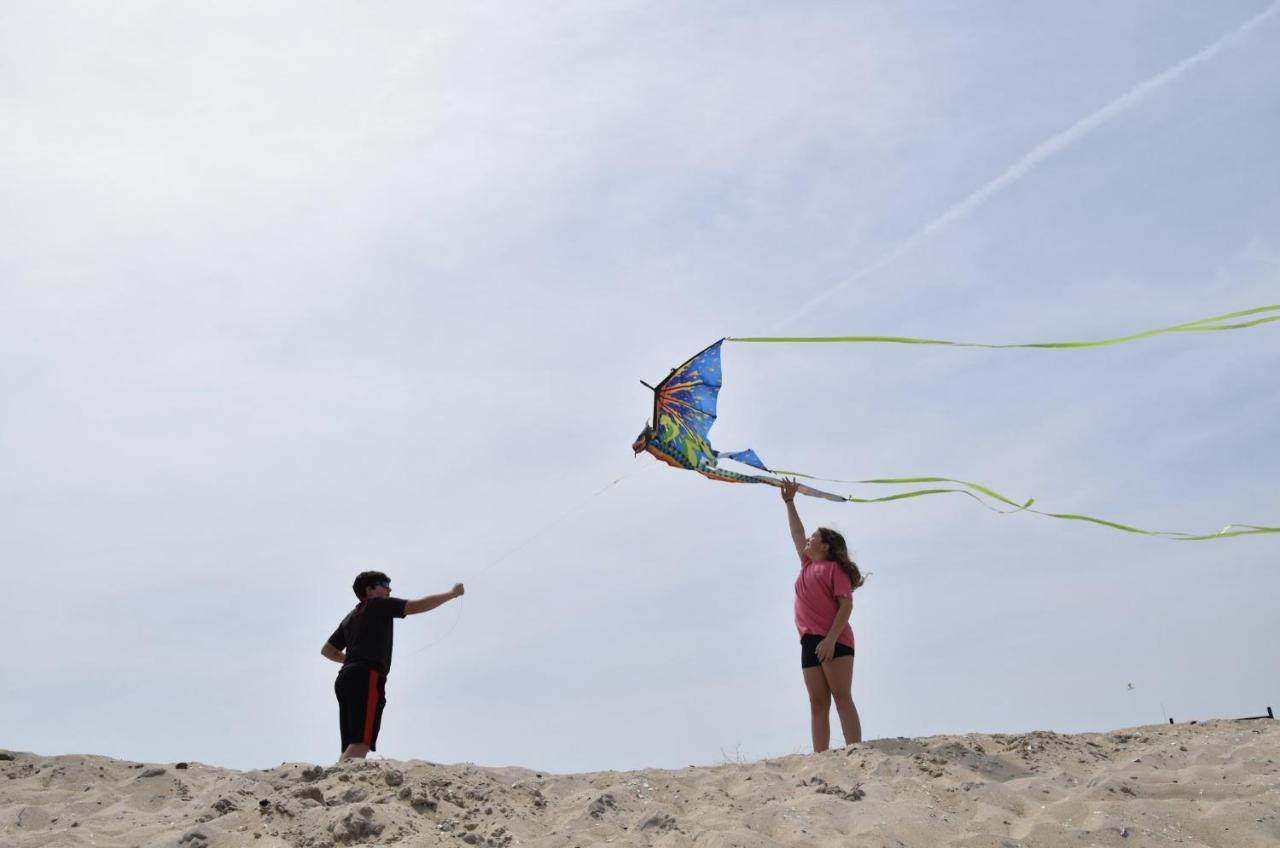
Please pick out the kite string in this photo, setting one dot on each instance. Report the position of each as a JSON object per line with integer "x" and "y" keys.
{"x": 538, "y": 533}
{"x": 546, "y": 527}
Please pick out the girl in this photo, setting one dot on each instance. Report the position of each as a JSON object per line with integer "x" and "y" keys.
{"x": 824, "y": 600}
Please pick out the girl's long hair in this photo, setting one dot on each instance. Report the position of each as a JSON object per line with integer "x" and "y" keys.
{"x": 838, "y": 552}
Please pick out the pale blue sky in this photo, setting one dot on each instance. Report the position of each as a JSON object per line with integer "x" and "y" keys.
{"x": 288, "y": 293}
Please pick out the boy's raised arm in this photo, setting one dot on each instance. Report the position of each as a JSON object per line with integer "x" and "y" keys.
{"x": 430, "y": 602}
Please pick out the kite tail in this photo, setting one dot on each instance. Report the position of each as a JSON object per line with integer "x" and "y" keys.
{"x": 981, "y": 493}
{"x": 1226, "y": 321}
{"x": 1238, "y": 320}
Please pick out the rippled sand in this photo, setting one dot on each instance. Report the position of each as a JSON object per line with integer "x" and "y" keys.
{"x": 1214, "y": 783}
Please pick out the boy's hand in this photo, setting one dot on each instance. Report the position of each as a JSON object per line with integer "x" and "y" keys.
{"x": 458, "y": 590}
{"x": 789, "y": 489}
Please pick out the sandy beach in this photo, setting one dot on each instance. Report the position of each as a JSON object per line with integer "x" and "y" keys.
{"x": 1213, "y": 783}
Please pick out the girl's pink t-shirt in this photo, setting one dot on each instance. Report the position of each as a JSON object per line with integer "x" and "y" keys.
{"x": 819, "y": 585}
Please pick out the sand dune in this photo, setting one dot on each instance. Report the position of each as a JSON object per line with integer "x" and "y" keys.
{"x": 1215, "y": 783}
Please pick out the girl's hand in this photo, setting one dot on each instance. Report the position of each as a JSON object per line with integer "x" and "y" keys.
{"x": 789, "y": 489}
{"x": 825, "y": 650}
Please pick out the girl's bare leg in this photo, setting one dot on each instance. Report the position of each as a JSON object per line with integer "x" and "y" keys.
{"x": 838, "y": 673}
{"x": 819, "y": 707}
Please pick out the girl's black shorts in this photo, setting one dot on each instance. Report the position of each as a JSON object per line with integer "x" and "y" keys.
{"x": 809, "y": 644}
{"x": 362, "y": 695}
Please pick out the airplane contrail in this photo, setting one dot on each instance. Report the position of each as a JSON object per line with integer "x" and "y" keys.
{"x": 1038, "y": 154}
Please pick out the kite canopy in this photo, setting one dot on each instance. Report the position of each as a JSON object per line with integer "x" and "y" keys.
{"x": 684, "y": 408}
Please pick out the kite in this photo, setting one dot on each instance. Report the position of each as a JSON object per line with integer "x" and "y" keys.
{"x": 684, "y": 408}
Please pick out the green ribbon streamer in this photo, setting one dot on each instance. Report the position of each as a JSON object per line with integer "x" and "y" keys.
{"x": 975, "y": 487}
{"x": 1227, "y": 321}
{"x": 978, "y": 491}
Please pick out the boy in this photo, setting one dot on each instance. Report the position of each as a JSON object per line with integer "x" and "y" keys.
{"x": 362, "y": 643}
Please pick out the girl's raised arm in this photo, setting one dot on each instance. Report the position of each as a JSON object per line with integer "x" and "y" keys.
{"x": 789, "y": 488}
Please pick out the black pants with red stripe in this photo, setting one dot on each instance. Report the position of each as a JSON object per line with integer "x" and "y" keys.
{"x": 362, "y": 694}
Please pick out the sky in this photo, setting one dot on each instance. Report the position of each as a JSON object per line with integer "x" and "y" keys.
{"x": 290, "y": 292}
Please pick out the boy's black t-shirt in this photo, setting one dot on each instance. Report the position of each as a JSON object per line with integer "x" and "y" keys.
{"x": 366, "y": 633}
